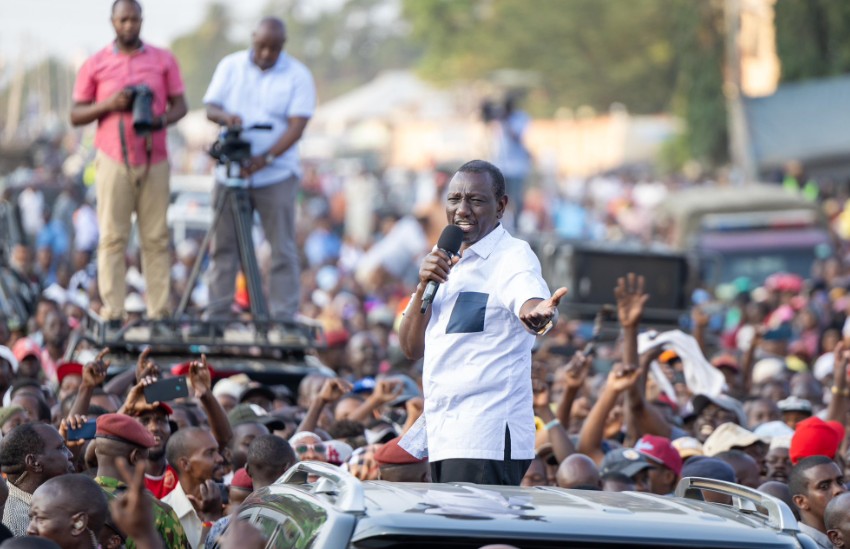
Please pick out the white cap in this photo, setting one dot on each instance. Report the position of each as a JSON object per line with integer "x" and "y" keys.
{"x": 228, "y": 387}
{"x": 56, "y": 293}
{"x": 773, "y": 429}
{"x": 824, "y": 366}
{"x": 134, "y": 303}
{"x": 7, "y": 355}
{"x": 767, "y": 369}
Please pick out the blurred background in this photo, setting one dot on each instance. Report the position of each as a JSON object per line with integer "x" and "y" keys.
{"x": 627, "y": 104}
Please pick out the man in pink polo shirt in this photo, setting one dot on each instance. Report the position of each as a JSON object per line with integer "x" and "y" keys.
{"x": 132, "y": 169}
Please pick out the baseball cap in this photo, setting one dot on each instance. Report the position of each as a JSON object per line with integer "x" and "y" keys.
{"x": 251, "y": 413}
{"x": 709, "y": 467}
{"x": 767, "y": 369}
{"x": 727, "y": 436}
{"x": 68, "y": 369}
{"x": 773, "y": 429}
{"x": 688, "y": 447}
{"x": 661, "y": 451}
{"x": 25, "y": 347}
{"x": 795, "y": 404}
{"x": 726, "y": 402}
{"x": 228, "y": 386}
{"x": 626, "y": 461}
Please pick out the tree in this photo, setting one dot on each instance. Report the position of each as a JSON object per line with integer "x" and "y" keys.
{"x": 346, "y": 47}
{"x": 812, "y": 38}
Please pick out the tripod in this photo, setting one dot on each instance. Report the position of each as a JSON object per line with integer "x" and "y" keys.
{"x": 235, "y": 196}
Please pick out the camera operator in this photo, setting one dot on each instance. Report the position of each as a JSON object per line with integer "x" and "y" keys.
{"x": 134, "y": 91}
{"x": 262, "y": 85}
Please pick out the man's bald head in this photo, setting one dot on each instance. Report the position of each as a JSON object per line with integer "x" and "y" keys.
{"x": 836, "y": 518}
{"x": 70, "y": 495}
{"x": 578, "y": 471}
{"x": 267, "y": 42}
{"x": 272, "y": 25}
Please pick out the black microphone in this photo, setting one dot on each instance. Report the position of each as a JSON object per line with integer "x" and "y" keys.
{"x": 450, "y": 241}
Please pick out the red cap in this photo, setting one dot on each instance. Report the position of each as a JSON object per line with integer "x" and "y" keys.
{"x": 182, "y": 369}
{"x": 664, "y": 399}
{"x": 242, "y": 480}
{"x": 725, "y": 361}
{"x": 68, "y": 369}
{"x": 337, "y": 338}
{"x": 393, "y": 454}
{"x": 815, "y": 437}
{"x": 660, "y": 450}
{"x": 125, "y": 429}
{"x": 25, "y": 347}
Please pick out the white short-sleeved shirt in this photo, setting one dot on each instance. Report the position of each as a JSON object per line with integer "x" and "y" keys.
{"x": 264, "y": 97}
{"x": 477, "y": 368}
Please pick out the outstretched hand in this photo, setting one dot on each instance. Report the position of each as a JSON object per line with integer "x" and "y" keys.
{"x": 630, "y": 299}
{"x": 544, "y": 311}
{"x": 622, "y": 377}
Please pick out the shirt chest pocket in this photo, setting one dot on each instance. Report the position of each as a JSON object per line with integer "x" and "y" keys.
{"x": 468, "y": 314}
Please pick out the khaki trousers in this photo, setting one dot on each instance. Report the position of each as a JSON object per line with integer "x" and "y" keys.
{"x": 120, "y": 192}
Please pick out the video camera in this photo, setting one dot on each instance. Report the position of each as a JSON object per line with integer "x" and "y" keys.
{"x": 230, "y": 146}
{"x": 141, "y": 99}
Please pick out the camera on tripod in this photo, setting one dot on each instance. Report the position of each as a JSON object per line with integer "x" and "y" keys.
{"x": 141, "y": 100}
{"x": 231, "y": 148}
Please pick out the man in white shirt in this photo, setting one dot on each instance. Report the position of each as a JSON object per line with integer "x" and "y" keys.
{"x": 476, "y": 338}
{"x": 262, "y": 85}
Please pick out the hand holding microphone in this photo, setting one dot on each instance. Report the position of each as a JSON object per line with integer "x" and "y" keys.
{"x": 436, "y": 266}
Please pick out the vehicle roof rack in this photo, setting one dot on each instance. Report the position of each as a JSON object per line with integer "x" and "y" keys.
{"x": 779, "y": 516}
{"x": 266, "y": 338}
{"x": 332, "y": 480}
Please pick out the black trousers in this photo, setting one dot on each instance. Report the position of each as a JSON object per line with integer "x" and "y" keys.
{"x": 506, "y": 472}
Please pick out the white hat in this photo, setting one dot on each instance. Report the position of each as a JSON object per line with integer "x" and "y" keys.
{"x": 728, "y": 436}
{"x": 824, "y": 366}
{"x": 134, "y": 303}
{"x": 7, "y": 355}
{"x": 780, "y": 442}
{"x": 773, "y": 429}
{"x": 56, "y": 293}
{"x": 767, "y": 369}
{"x": 228, "y": 387}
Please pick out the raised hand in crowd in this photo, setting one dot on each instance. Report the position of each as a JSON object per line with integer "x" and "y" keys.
{"x": 135, "y": 403}
{"x": 576, "y": 372}
{"x": 332, "y": 390}
{"x": 68, "y": 423}
{"x": 94, "y": 375}
{"x": 146, "y": 367}
{"x": 199, "y": 377}
{"x": 386, "y": 390}
{"x": 132, "y": 510}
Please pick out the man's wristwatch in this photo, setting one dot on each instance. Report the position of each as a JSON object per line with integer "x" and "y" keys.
{"x": 269, "y": 158}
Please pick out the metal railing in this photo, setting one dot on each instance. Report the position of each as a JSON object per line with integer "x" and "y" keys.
{"x": 779, "y": 516}
{"x": 331, "y": 480}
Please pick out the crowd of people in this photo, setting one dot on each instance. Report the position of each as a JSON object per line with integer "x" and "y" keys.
{"x": 756, "y": 393}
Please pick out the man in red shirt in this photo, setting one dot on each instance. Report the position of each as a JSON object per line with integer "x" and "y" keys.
{"x": 132, "y": 172}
